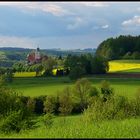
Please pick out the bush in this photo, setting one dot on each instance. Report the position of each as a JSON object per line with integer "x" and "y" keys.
{"x": 39, "y": 104}
{"x": 99, "y": 65}
{"x": 82, "y": 90}
{"x": 136, "y": 103}
{"x": 50, "y": 104}
{"x": 106, "y": 90}
{"x": 9, "y": 101}
{"x": 16, "y": 121}
{"x": 65, "y": 101}
{"x": 31, "y": 105}
{"x": 48, "y": 120}
{"x": 12, "y": 122}
{"x": 93, "y": 92}
{"x": 76, "y": 72}
{"x": 117, "y": 107}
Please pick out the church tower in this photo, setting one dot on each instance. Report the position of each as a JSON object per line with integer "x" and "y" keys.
{"x": 37, "y": 54}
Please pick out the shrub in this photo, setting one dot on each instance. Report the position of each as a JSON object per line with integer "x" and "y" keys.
{"x": 24, "y": 99}
{"x": 76, "y": 72}
{"x": 117, "y": 107}
{"x": 82, "y": 90}
{"x": 93, "y": 92}
{"x": 136, "y": 103}
{"x": 39, "y": 104}
{"x": 99, "y": 65}
{"x": 9, "y": 101}
{"x": 106, "y": 90}
{"x": 48, "y": 120}
{"x": 31, "y": 105}
{"x": 65, "y": 101}
{"x": 50, "y": 104}
{"x": 12, "y": 122}
{"x": 2, "y": 80}
{"x": 16, "y": 121}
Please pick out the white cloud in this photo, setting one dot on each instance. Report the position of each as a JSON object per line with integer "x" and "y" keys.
{"x": 46, "y": 7}
{"x": 100, "y": 27}
{"x": 105, "y": 26}
{"x": 78, "y": 22}
{"x": 93, "y": 4}
{"x": 134, "y": 21}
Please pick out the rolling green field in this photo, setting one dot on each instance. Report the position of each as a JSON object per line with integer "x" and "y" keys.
{"x": 50, "y": 85}
{"x": 75, "y": 126}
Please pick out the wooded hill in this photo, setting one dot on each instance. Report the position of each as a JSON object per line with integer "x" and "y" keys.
{"x": 122, "y": 47}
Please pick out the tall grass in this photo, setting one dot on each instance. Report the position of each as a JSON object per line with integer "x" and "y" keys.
{"x": 74, "y": 127}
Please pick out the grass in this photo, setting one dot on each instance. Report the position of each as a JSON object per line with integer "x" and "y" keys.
{"x": 50, "y": 85}
{"x": 74, "y": 127}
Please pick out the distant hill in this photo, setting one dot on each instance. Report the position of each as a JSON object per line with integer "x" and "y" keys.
{"x": 122, "y": 47}
{"x": 9, "y": 55}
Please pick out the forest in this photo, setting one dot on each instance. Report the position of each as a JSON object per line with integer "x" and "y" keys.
{"x": 122, "y": 47}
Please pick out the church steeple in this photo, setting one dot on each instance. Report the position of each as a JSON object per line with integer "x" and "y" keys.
{"x": 37, "y": 53}
{"x": 38, "y": 48}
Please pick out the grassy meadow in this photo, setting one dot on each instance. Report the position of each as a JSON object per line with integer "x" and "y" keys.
{"x": 35, "y": 86}
{"x": 74, "y": 126}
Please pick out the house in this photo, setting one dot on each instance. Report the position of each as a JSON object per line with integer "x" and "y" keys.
{"x": 35, "y": 57}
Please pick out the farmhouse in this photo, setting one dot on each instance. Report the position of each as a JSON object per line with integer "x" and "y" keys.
{"x": 35, "y": 57}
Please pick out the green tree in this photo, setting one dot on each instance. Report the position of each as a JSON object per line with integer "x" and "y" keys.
{"x": 76, "y": 72}
{"x": 65, "y": 101}
{"x": 135, "y": 55}
{"x": 49, "y": 65}
{"x": 82, "y": 91}
{"x": 106, "y": 90}
{"x": 99, "y": 65}
{"x": 50, "y": 104}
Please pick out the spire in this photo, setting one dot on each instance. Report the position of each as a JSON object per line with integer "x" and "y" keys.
{"x": 38, "y": 48}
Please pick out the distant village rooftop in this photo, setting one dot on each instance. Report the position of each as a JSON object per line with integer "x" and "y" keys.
{"x": 35, "y": 57}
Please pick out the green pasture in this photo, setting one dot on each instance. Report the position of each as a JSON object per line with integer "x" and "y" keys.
{"x": 51, "y": 85}
{"x": 75, "y": 126}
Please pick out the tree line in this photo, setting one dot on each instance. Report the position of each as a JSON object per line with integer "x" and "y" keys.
{"x": 122, "y": 47}
{"x": 75, "y": 66}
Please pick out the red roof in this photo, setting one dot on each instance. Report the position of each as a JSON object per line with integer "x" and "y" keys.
{"x": 31, "y": 57}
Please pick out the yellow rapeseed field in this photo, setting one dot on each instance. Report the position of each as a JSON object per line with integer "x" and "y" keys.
{"x": 25, "y": 74}
{"x": 117, "y": 66}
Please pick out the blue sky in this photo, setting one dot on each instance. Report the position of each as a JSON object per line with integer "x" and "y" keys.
{"x": 66, "y": 25}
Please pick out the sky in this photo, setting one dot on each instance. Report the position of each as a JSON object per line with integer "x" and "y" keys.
{"x": 66, "y": 25}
